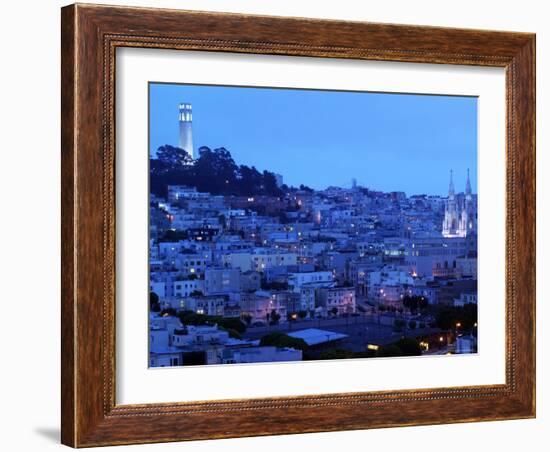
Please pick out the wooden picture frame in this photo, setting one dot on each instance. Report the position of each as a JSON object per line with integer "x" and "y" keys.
{"x": 90, "y": 36}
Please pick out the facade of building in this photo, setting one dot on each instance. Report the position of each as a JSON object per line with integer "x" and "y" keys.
{"x": 460, "y": 217}
{"x": 337, "y": 300}
{"x": 466, "y": 298}
{"x": 311, "y": 279}
{"x": 260, "y": 306}
{"x": 260, "y": 355}
{"x": 214, "y": 305}
{"x": 219, "y": 280}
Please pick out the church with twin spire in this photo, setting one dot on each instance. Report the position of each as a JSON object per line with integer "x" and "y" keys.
{"x": 460, "y": 213}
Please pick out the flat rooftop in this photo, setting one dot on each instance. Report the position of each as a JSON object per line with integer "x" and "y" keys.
{"x": 314, "y": 336}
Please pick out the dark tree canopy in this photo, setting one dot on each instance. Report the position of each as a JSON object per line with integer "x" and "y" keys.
{"x": 213, "y": 172}
{"x": 447, "y": 317}
{"x": 228, "y": 323}
{"x": 154, "y": 302}
{"x": 415, "y": 303}
{"x": 389, "y": 350}
{"x": 279, "y": 339}
{"x": 273, "y": 317}
{"x": 403, "y": 347}
{"x": 171, "y": 157}
{"x": 409, "y": 347}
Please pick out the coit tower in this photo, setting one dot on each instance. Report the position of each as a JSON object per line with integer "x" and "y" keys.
{"x": 186, "y": 128}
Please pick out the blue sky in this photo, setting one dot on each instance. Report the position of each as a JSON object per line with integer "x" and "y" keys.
{"x": 388, "y": 142}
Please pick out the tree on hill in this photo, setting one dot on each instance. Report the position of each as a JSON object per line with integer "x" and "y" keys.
{"x": 172, "y": 158}
{"x": 213, "y": 172}
{"x": 269, "y": 183}
{"x": 249, "y": 179}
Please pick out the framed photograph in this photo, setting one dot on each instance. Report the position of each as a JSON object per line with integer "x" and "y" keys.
{"x": 281, "y": 225}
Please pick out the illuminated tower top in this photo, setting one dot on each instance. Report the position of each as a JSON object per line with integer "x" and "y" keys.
{"x": 186, "y": 112}
{"x": 186, "y": 128}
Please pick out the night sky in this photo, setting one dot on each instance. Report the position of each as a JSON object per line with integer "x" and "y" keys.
{"x": 388, "y": 142}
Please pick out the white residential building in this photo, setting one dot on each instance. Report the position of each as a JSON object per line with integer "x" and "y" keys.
{"x": 221, "y": 280}
{"x": 259, "y": 260}
{"x": 198, "y": 335}
{"x": 187, "y": 287}
{"x": 192, "y": 264}
{"x": 208, "y": 305}
{"x": 317, "y": 279}
{"x": 341, "y": 299}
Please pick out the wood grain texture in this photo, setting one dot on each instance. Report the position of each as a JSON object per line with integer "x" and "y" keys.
{"x": 67, "y": 226}
{"x": 90, "y": 36}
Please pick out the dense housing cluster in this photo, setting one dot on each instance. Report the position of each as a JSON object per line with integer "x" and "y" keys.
{"x": 244, "y": 268}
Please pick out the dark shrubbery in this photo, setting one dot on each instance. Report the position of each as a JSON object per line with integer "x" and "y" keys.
{"x": 446, "y": 317}
{"x": 279, "y": 339}
{"x": 403, "y": 347}
{"x": 228, "y": 323}
{"x": 154, "y": 302}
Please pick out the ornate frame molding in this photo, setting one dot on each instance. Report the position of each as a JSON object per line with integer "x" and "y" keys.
{"x": 90, "y": 37}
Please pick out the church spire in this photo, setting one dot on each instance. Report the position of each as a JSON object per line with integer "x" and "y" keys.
{"x": 468, "y": 185}
{"x": 451, "y": 187}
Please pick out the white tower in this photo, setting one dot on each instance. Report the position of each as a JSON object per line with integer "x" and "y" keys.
{"x": 467, "y": 219}
{"x": 186, "y": 129}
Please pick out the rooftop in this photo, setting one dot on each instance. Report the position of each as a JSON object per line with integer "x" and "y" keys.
{"x": 314, "y": 336}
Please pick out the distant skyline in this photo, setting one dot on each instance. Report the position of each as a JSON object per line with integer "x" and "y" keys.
{"x": 388, "y": 142}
